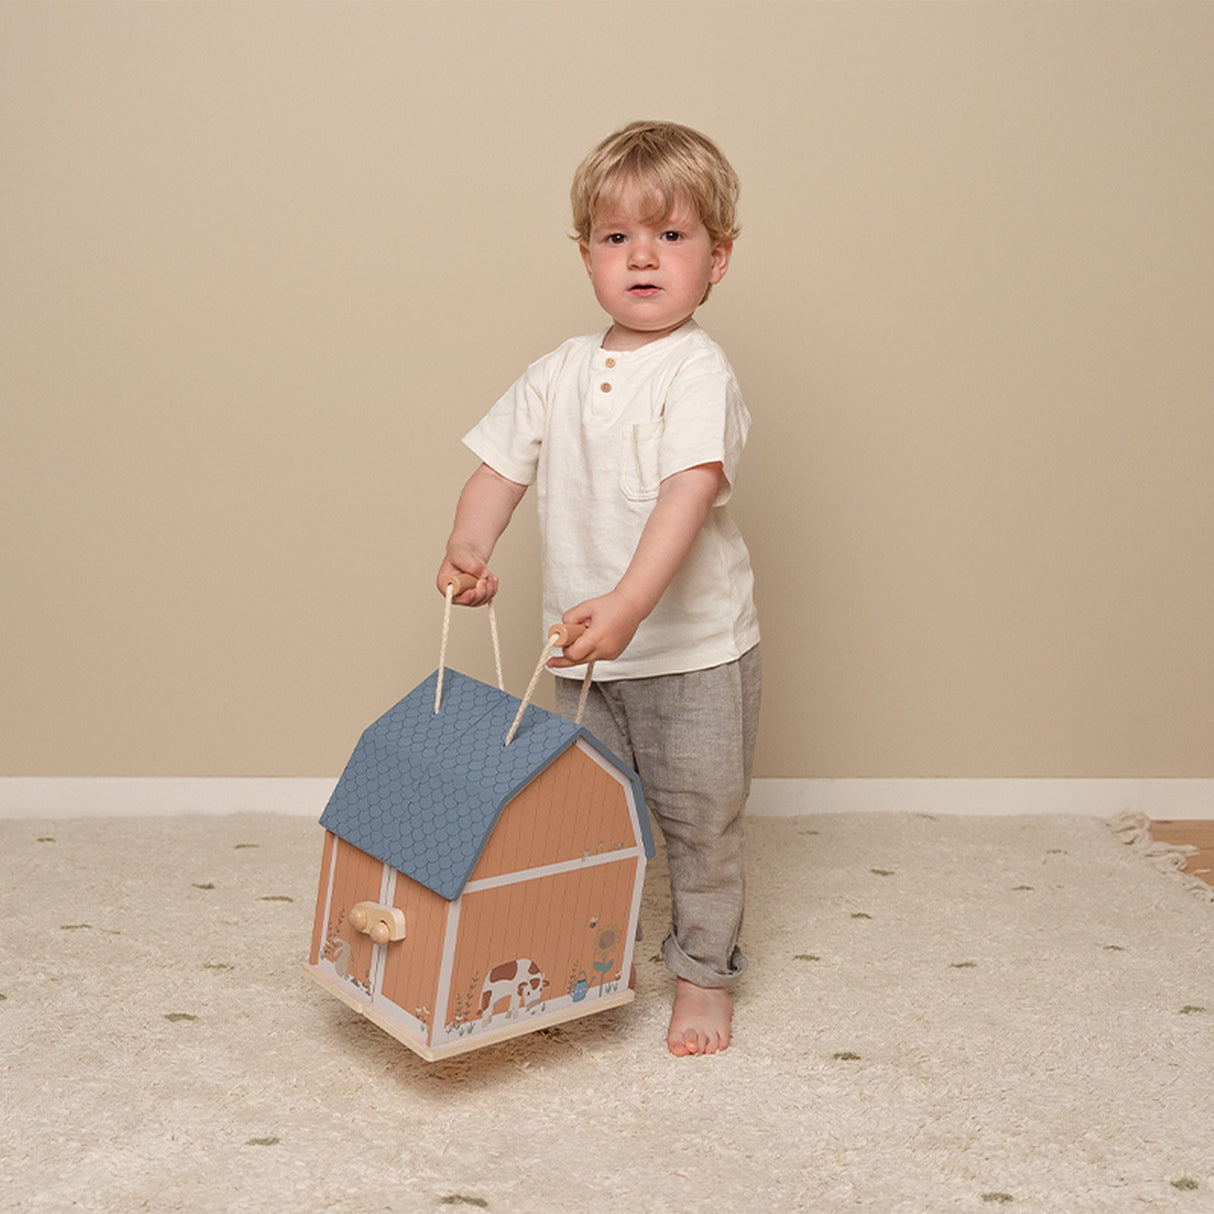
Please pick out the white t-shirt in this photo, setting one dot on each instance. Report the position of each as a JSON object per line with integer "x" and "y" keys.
{"x": 596, "y": 431}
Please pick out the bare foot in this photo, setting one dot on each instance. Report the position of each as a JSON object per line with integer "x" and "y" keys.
{"x": 700, "y": 1019}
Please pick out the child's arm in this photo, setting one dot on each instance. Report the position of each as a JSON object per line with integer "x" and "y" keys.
{"x": 611, "y": 620}
{"x": 481, "y": 515}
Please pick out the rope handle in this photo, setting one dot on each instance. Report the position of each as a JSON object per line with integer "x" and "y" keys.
{"x": 559, "y": 636}
{"x": 457, "y": 584}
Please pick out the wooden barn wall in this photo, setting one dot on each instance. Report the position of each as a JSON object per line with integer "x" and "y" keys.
{"x": 322, "y": 891}
{"x": 411, "y": 966}
{"x": 555, "y": 921}
{"x": 357, "y": 877}
{"x": 574, "y": 806}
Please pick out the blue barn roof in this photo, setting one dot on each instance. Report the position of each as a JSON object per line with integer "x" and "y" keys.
{"x": 423, "y": 792}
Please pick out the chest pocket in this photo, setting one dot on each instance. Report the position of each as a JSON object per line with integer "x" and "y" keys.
{"x": 640, "y": 471}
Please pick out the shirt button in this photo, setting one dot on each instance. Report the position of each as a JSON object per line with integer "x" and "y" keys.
{"x": 605, "y": 387}
{"x": 611, "y": 362}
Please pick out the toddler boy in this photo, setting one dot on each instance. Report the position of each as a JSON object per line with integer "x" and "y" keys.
{"x": 632, "y": 438}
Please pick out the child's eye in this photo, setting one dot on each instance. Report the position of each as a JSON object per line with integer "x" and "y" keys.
{"x": 672, "y": 236}
{"x": 616, "y": 238}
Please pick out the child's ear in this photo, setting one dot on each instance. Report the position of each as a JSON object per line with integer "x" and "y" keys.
{"x": 722, "y": 251}
{"x": 584, "y": 249}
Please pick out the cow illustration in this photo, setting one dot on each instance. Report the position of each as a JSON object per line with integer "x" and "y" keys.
{"x": 521, "y": 981}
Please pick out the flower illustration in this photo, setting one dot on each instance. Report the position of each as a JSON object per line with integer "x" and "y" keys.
{"x": 604, "y": 947}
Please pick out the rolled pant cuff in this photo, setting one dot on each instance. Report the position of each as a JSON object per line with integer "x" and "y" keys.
{"x": 697, "y": 972}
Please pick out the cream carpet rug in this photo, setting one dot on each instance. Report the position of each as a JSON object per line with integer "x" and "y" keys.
{"x": 941, "y": 1014}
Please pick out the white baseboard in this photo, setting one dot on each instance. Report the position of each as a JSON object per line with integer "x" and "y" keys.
{"x": 1159, "y": 798}
{"x": 150, "y": 796}
{"x": 157, "y": 796}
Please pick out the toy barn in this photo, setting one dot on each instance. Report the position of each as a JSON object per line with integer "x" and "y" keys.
{"x": 471, "y": 890}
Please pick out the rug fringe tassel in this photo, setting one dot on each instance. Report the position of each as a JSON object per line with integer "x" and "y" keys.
{"x": 1134, "y": 830}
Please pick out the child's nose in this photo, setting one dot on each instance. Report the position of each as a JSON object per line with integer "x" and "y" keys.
{"x": 643, "y": 253}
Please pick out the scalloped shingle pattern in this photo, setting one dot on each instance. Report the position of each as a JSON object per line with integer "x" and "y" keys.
{"x": 422, "y": 792}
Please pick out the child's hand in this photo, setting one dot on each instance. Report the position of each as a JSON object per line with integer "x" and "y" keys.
{"x": 463, "y": 562}
{"x": 611, "y": 622}
{"x": 484, "y": 508}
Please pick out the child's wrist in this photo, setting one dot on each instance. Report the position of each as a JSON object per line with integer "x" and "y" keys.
{"x": 636, "y": 605}
{"x": 460, "y": 553}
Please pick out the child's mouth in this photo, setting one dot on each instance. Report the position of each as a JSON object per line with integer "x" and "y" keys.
{"x": 643, "y": 288}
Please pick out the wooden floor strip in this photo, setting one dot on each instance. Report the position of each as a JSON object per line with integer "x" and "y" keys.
{"x": 1199, "y": 834}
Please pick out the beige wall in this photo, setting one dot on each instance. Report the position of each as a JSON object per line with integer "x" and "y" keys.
{"x": 263, "y": 264}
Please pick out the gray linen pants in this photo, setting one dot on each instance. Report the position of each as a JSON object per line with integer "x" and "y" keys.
{"x": 691, "y": 739}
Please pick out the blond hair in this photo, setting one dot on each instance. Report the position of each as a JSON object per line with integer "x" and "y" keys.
{"x": 665, "y": 162}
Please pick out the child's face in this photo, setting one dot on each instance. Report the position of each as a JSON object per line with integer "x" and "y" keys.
{"x": 650, "y": 275}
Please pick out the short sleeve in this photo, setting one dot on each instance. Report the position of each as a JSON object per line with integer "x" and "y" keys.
{"x": 705, "y": 422}
{"x": 508, "y": 438}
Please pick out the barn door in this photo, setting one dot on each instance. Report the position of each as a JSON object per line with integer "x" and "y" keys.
{"x": 355, "y": 877}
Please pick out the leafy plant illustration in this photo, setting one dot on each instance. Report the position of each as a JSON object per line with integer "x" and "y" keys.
{"x": 462, "y": 1020}
{"x": 332, "y": 936}
{"x": 604, "y": 949}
